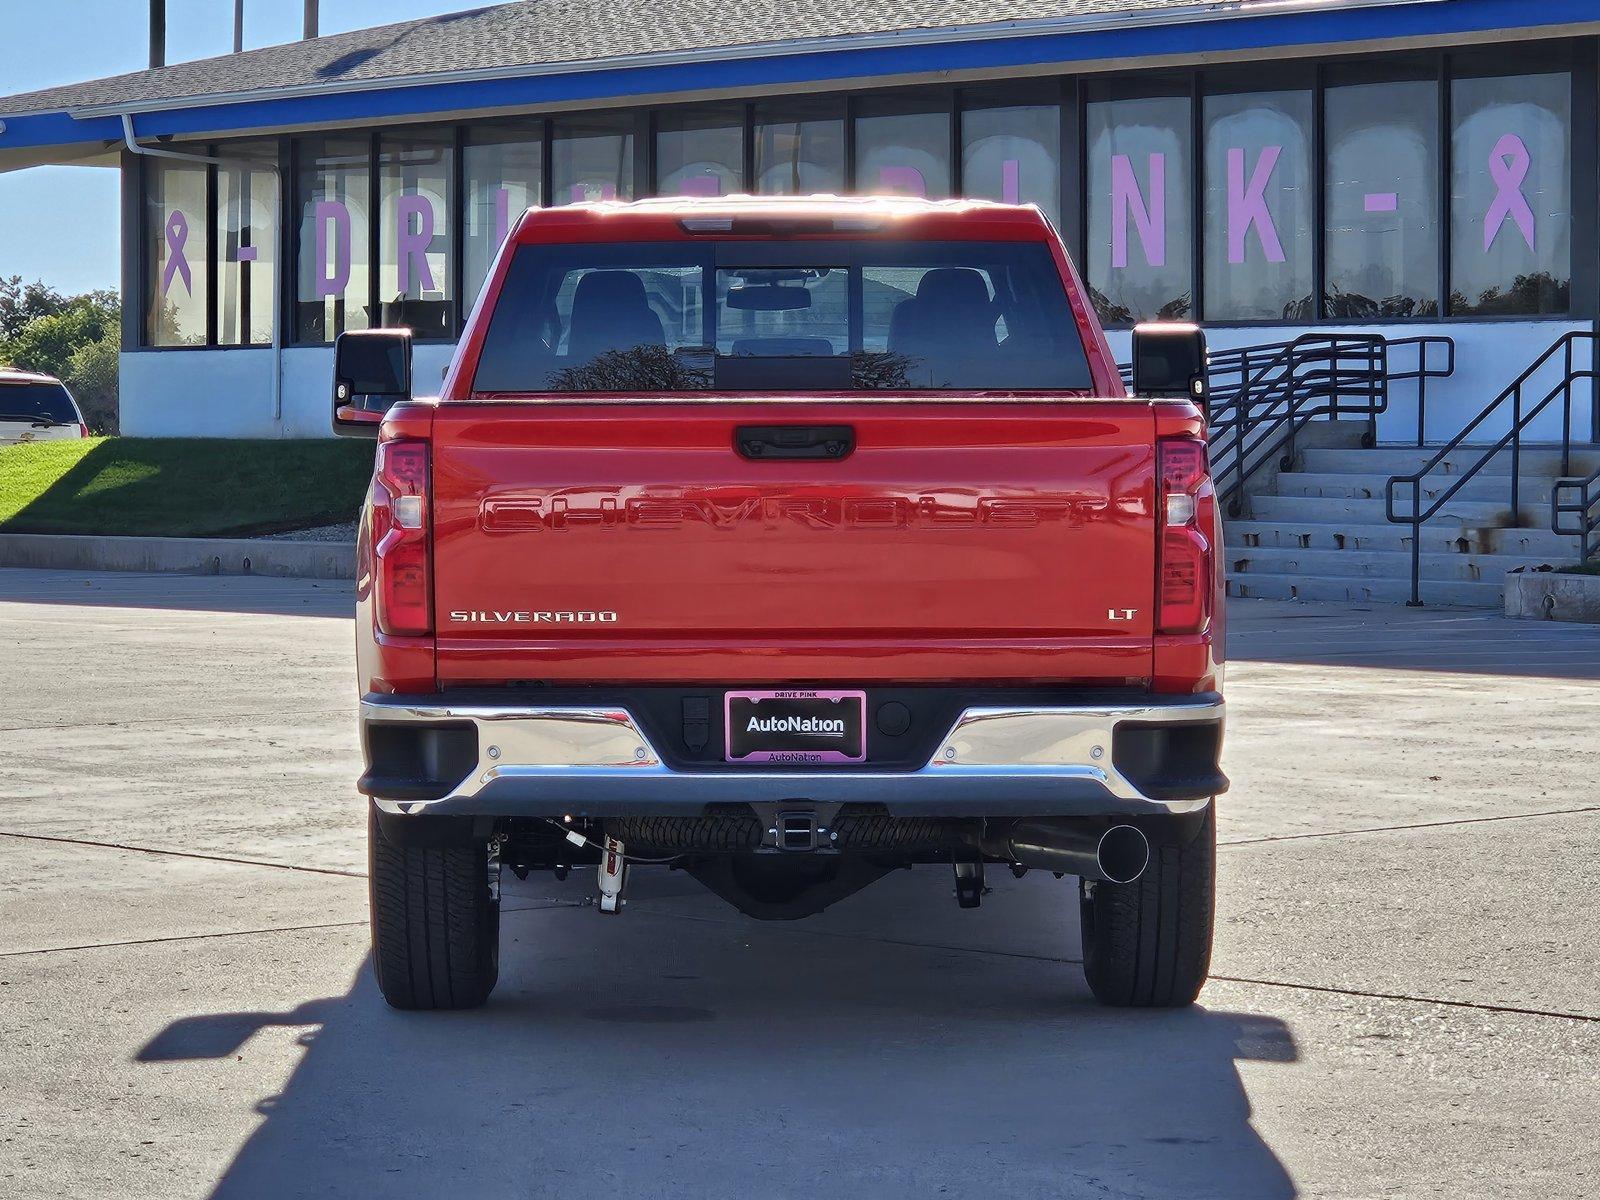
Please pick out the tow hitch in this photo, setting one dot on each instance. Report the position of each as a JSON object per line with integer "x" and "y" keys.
{"x": 613, "y": 876}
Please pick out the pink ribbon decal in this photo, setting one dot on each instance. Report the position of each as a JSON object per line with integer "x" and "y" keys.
{"x": 1509, "y": 163}
{"x": 412, "y": 247}
{"x": 1150, "y": 219}
{"x": 1011, "y": 181}
{"x": 1381, "y": 202}
{"x": 332, "y": 221}
{"x": 1247, "y": 206}
{"x": 177, "y": 263}
{"x": 582, "y": 192}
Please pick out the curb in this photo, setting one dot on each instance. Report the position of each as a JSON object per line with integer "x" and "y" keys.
{"x": 183, "y": 556}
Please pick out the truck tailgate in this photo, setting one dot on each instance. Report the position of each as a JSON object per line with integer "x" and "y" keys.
{"x": 618, "y": 542}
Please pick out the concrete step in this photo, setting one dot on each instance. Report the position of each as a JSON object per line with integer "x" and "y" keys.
{"x": 1350, "y": 486}
{"x": 1438, "y": 537}
{"x": 1375, "y": 564}
{"x": 1363, "y": 590}
{"x": 1326, "y": 509}
{"x": 1543, "y": 461}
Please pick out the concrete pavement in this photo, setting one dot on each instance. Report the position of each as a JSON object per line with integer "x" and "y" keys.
{"x": 1407, "y": 1001}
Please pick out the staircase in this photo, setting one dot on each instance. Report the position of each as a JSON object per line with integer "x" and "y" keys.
{"x": 1318, "y": 530}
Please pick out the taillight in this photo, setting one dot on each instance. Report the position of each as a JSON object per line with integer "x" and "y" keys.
{"x": 402, "y": 589}
{"x": 1184, "y": 583}
{"x": 83, "y": 430}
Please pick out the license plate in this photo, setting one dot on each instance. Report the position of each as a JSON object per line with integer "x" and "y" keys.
{"x": 796, "y": 727}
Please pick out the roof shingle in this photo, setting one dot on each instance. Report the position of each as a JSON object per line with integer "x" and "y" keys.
{"x": 542, "y": 33}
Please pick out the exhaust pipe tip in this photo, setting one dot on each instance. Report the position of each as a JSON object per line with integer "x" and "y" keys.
{"x": 1122, "y": 854}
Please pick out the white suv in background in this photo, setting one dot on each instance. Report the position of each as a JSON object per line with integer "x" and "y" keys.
{"x": 37, "y": 408}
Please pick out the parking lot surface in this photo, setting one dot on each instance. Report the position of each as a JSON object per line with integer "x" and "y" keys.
{"x": 1406, "y": 998}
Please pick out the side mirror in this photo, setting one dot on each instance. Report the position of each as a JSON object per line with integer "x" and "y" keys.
{"x": 1169, "y": 362}
{"x": 371, "y": 373}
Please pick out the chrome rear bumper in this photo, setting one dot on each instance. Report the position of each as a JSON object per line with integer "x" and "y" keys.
{"x": 533, "y": 760}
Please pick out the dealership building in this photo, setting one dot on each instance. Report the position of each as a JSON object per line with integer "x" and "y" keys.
{"x": 1266, "y": 167}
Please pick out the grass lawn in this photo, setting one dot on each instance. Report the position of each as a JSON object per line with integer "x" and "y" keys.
{"x": 180, "y": 487}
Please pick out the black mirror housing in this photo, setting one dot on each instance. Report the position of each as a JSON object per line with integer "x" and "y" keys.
{"x": 371, "y": 374}
{"x": 1169, "y": 362}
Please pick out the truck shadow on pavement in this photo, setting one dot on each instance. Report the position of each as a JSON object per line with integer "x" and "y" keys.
{"x": 683, "y": 1051}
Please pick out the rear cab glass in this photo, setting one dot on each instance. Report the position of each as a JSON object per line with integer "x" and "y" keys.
{"x": 36, "y": 401}
{"x": 782, "y": 316}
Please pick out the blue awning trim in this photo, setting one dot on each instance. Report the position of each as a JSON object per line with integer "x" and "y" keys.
{"x": 421, "y": 101}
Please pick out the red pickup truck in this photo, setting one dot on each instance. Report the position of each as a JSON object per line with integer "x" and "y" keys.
{"x": 787, "y": 543}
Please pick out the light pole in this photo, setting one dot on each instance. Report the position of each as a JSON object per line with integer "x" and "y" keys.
{"x": 310, "y": 28}
{"x": 158, "y": 33}
{"x": 238, "y": 26}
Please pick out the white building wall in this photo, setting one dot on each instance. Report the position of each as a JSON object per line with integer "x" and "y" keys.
{"x": 1489, "y": 356}
{"x": 228, "y": 393}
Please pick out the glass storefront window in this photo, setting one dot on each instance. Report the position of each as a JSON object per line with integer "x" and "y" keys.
{"x": 903, "y": 146}
{"x": 1259, "y": 207}
{"x": 333, "y": 195}
{"x": 700, "y": 152}
{"x": 503, "y": 173}
{"x": 1382, "y": 200}
{"x": 247, "y": 246}
{"x": 414, "y": 256}
{"x": 1011, "y": 151}
{"x": 1511, "y": 195}
{"x": 179, "y": 239}
{"x": 1140, "y": 228}
{"x": 592, "y": 158}
{"x": 799, "y": 148}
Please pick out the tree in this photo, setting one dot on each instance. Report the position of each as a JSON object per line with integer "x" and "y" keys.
{"x": 74, "y": 338}
{"x": 91, "y": 374}
{"x": 21, "y": 303}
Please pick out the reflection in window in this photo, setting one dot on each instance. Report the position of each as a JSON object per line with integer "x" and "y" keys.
{"x": 1012, "y": 153}
{"x": 592, "y": 158}
{"x": 331, "y": 277}
{"x": 1382, "y": 236}
{"x": 414, "y": 258}
{"x": 247, "y": 246}
{"x": 1511, "y": 195}
{"x": 1258, "y": 207}
{"x": 1140, "y": 239}
{"x": 178, "y": 237}
{"x": 903, "y": 147}
{"x": 700, "y": 152}
{"x": 503, "y": 168}
{"x": 799, "y": 148}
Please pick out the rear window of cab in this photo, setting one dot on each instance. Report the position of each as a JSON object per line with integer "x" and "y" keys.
{"x": 36, "y": 401}
{"x": 782, "y": 316}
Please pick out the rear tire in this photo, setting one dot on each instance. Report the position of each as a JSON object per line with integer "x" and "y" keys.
{"x": 435, "y": 921}
{"x": 1147, "y": 944}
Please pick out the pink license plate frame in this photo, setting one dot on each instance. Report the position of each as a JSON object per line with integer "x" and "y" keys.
{"x": 797, "y": 756}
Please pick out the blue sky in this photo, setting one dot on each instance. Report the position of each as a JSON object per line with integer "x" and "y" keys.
{"x": 59, "y": 224}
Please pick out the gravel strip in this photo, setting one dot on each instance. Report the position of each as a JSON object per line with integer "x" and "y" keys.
{"x": 323, "y": 533}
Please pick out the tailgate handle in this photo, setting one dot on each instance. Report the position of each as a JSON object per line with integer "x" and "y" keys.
{"x": 794, "y": 441}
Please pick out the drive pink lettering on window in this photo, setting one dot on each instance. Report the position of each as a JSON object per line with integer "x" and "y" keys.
{"x": 1150, "y": 219}
{"x": 177, "y": 233}
{"x": 502, "y": 213}
{"x": 411, "y": 244}
{"x": 1011, "y": 181}
{"x": 701, "y": 185}
{"x": 1509, "y": 164}
{"x": 332, "y": 221}
{"x": 1247, "y": 205}
{"x": 903, "y": 181}
{"x": 582, "y": 192}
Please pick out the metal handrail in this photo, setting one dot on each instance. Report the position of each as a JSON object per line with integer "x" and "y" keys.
{"x": 1520, "y": 419}
{"x": 1586, "y": 508}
